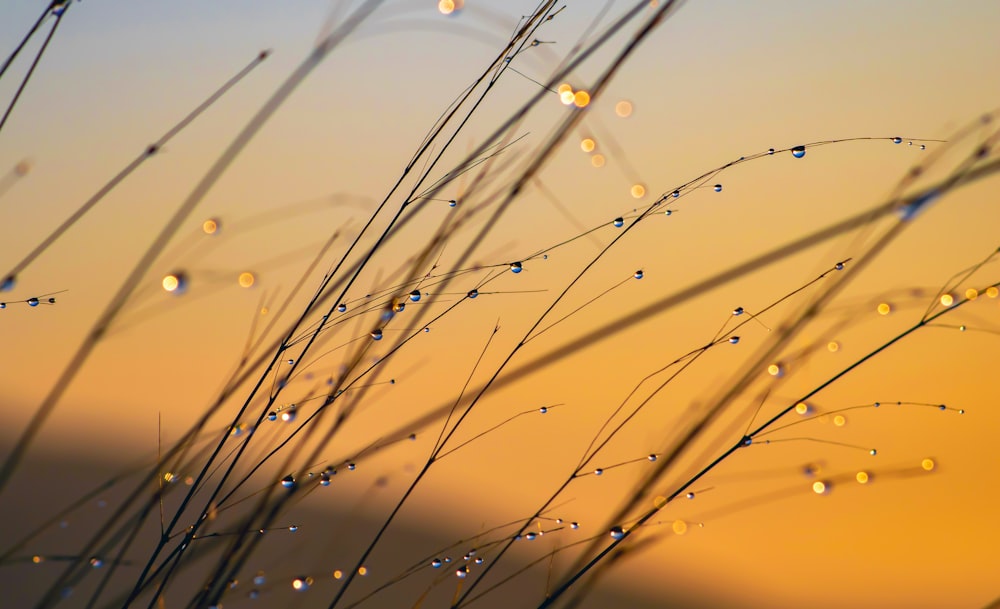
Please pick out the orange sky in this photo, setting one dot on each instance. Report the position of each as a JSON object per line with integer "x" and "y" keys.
{"x": 716, "y": 81}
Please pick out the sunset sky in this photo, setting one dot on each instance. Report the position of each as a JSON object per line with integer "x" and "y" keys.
{"x": 716, "y": 81}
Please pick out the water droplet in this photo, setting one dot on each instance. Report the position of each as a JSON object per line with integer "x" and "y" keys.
{"x": 398, "y": 307}
{"x": 8, "y": 283}
{"x": 175, "y": 283}
{"x": 907, "y": 212}
{"x": 746, "y": 441}
{"x": 638, "y": 274}
{"x": 211, "y": 226}
{"x": 289, "y": 414}
{"x": 96, "y": 562}
{"x": 820, "y": 487}
{"x": 449, "y": 7}
{"x": 3, "y": 305}
{"x": 259, "y": 579}
{"x": 717, "y": 188}
{"x": 351, "y": 466}
{"x": 946, "y": 300}
{"x": 473, "y": 293}
{"x": 738, "y": 311}
{"x": 676, "y": 193}
{"x": 776, "y": 370}
{"x": 288, "y": 481}
{"x": 341, "y": 307}
{"x": 734, "y": 340}
{"x": 803, "y": 408}
{"x": 515, "y": 267}
{"x": 301, "y": 583}
{"x": 770, "y": 150}
{"x": 873, "y": 452}
{"x": 598, "y": 471}
{"x": 543, "y": 409}
{"x": 668, "y": 212}
{"x": 324, "y": 479}
{"x": 897, "y": 140}
{"x": 839, "y": 266}
{"x": 415, "y": 296}
{"x": 462, "y": 571}
{"x": 530, "y": 536}
{"x": 272, "y": 416}
{"x": 574, "y": 525}
{"x": 479, "y": 560}
{"x": 617, "y": 532}
{"x": 799, "y": 152}
{"x": 652, "y": 457}
{"x": 923, "y": 146}
{"x": 690, "y": 495}
{"x": 377, "y": 334}
{"x": 253, "y": 594}
{"x": 619, "y": 222}
{"x": 293, "y": 528}
{"x": 32, "y": 302}
{"x": 452, "y": 202}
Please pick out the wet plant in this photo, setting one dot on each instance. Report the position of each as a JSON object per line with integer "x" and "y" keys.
{"x": 486, "y": 378}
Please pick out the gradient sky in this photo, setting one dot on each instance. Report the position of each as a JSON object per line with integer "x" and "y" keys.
{"x": 716, "y": 81}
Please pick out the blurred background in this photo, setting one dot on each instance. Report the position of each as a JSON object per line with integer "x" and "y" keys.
{"x": 715, "y": 82}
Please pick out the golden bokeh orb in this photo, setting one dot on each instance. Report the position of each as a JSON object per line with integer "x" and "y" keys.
{"x": 210, "y": 226}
